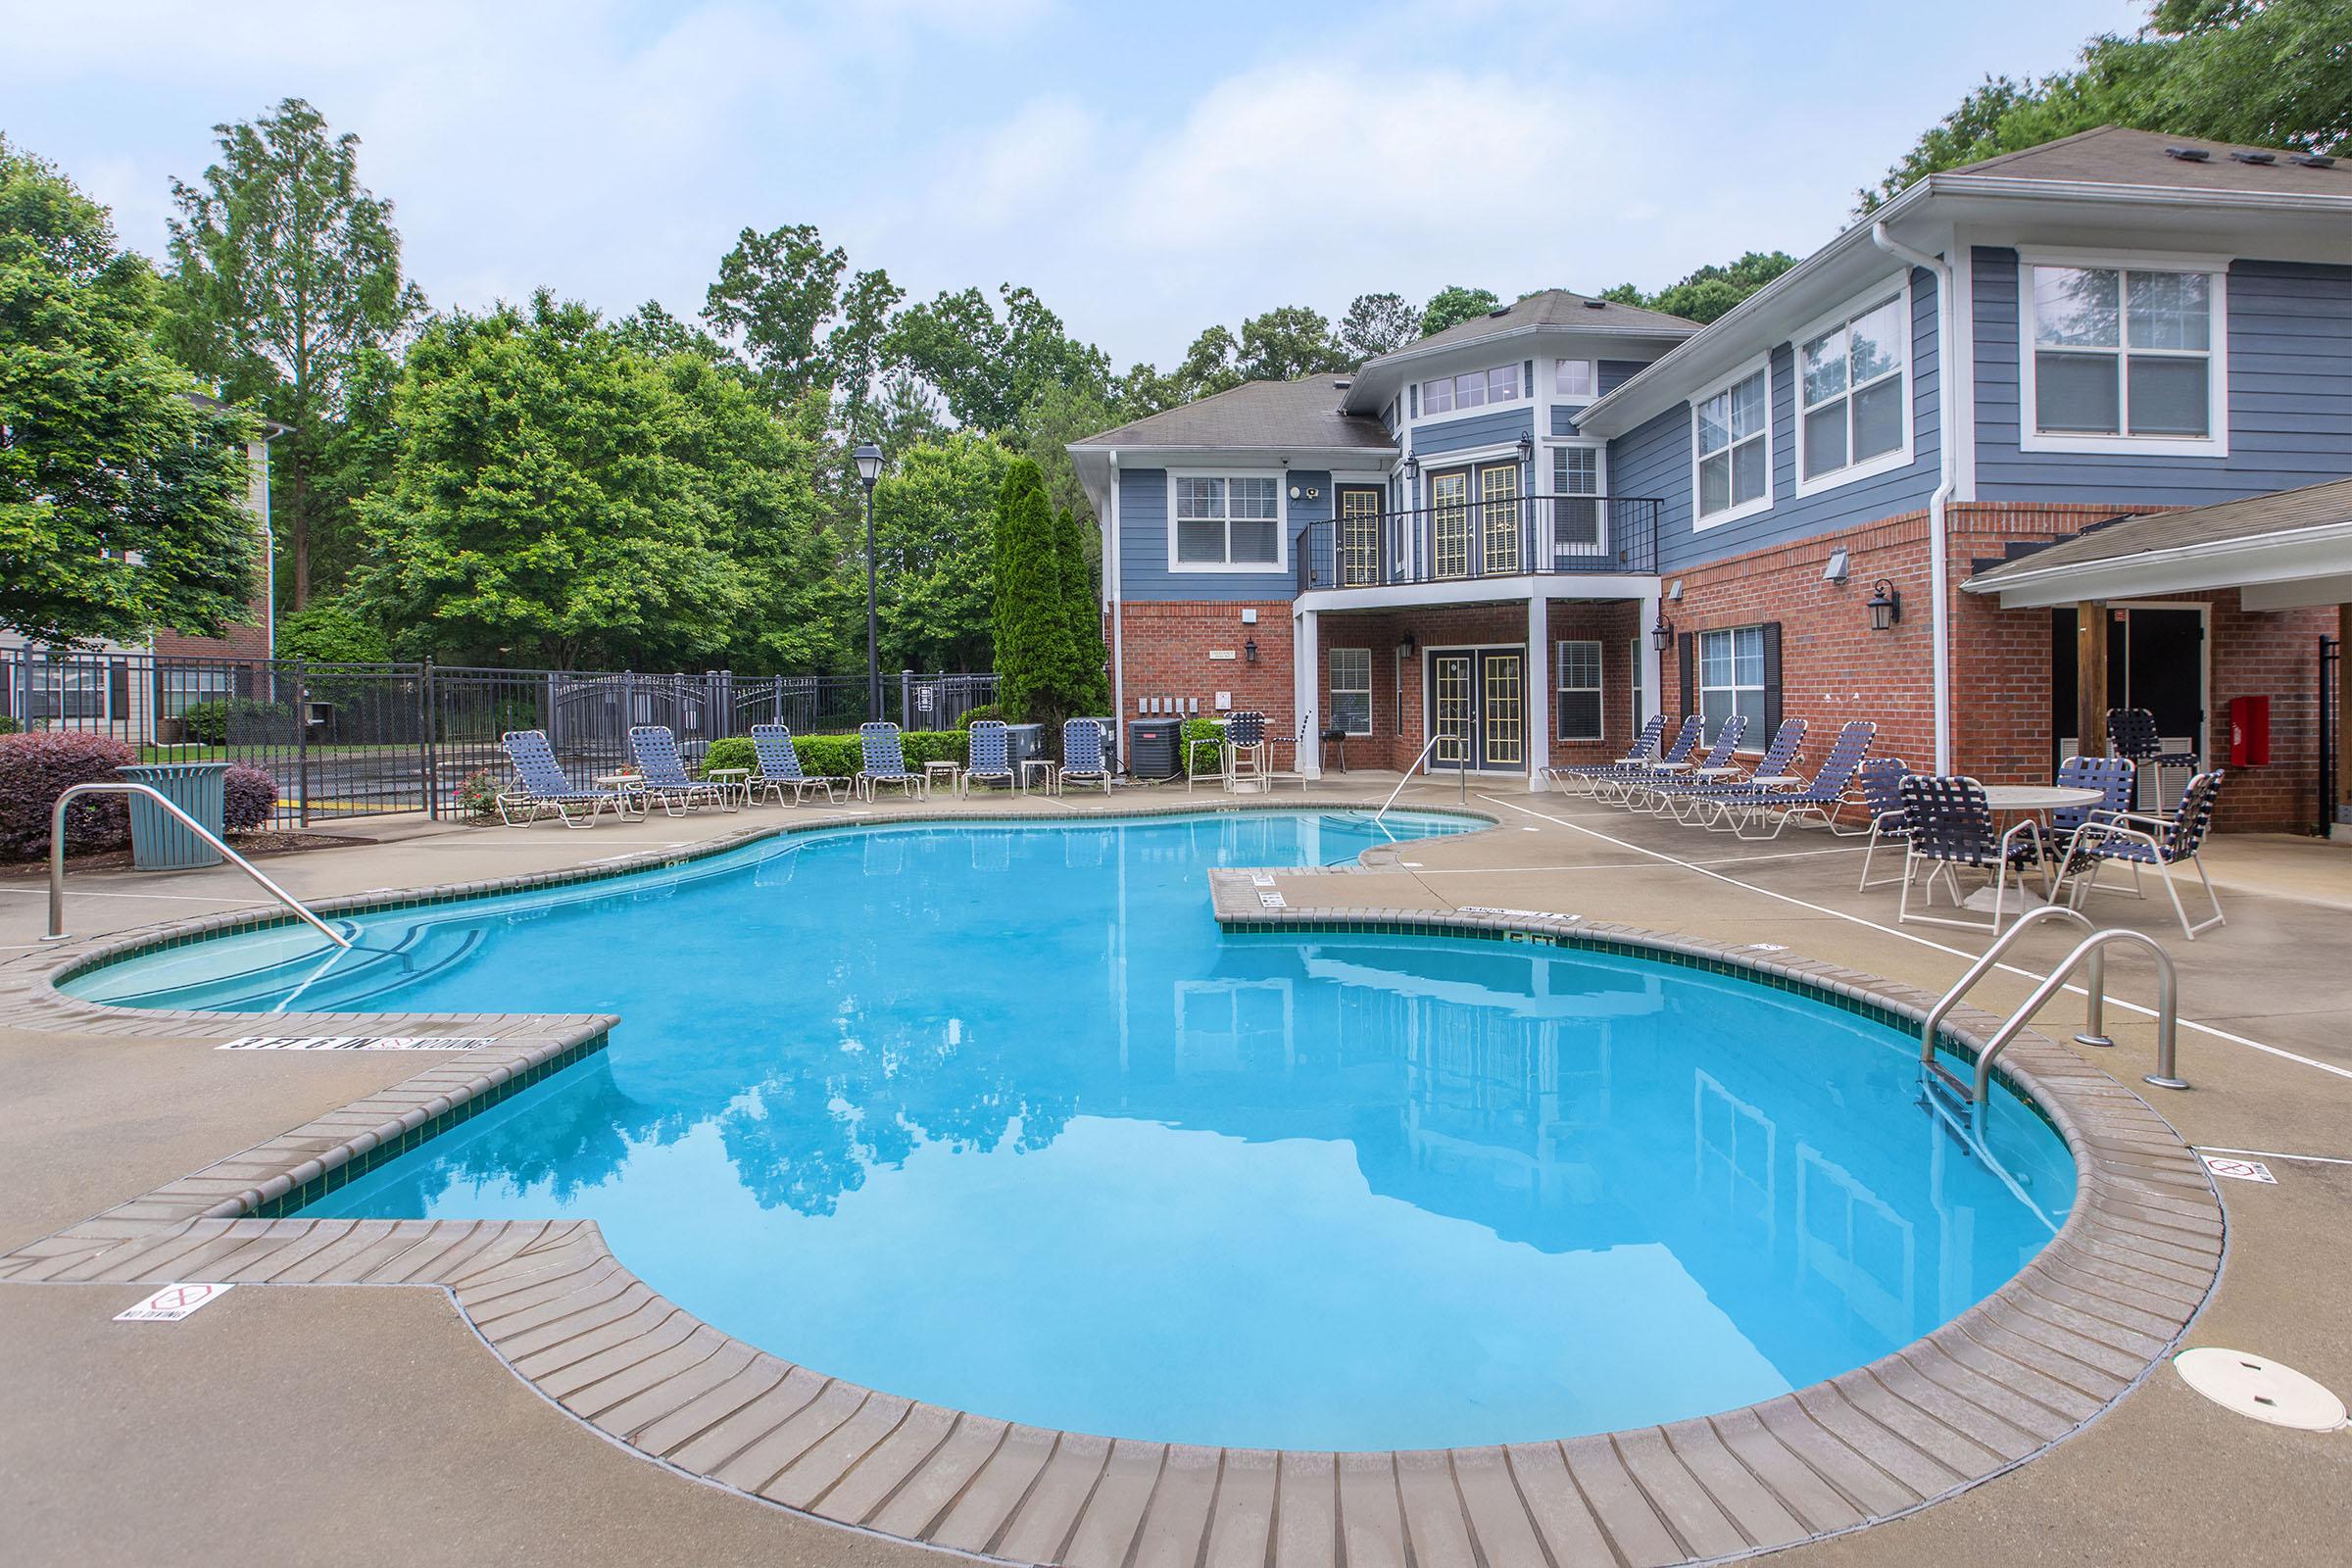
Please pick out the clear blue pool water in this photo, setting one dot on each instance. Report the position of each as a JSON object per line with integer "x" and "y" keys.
{"x": 996, "y": 1117}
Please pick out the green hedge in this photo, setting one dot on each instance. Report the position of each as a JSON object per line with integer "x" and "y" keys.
{"x": 839, "y": 755}
{"x": 1203, "y": 747}
{"x": 735, "y": 751}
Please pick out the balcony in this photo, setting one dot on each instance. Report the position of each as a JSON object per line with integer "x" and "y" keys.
{"x": 1484, "y": 539}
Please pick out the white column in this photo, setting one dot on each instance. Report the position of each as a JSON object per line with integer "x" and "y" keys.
{"x": 1307, "y": 683}
{"x": 1653, "y": 693}
{"x": 1539, "y": 687}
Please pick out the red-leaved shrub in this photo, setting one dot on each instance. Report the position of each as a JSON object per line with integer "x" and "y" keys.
{"x": 36, "y": 768}
{"x": 249, "y": 796}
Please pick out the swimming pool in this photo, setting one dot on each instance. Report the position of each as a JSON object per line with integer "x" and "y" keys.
{"x": 994, "y": 1116}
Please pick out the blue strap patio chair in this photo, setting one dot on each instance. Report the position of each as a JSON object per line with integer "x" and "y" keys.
{"x": 1616, "y": 785}
{"x": 1817, "y": 798}
{"x": 780, "y": 768}
{"x": 2143, "y": 839}
{"x": 2131, "y": 733}
{"x": 1709, "y": 803}
{"x": 2111, "y": 776}
{"x": 988, "y": 755}
{"x": 1082, "y": 754}
{"x": 1245, "y": 748}
{"x": 1644, "y": 747}
{"x": 1646, "y": 790}
{"x": 666, "y": 780}
{"x": 540, "y": 786}
{"x": 1880, "y": 781}
{"x": 1950, "y": 825}
{"x": 885, "y": 762}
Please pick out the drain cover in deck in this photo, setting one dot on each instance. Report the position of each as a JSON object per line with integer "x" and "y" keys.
{"x": 2259, "y": 1388}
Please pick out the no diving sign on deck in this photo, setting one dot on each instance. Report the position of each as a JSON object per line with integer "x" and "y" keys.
{"x": 173, "y": 1303}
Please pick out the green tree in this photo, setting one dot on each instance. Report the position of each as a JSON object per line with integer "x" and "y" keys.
{"x": 1454, "y": 305}
{"x": 539, "y": 510}
{"x": 1376, "y": 324}
{"x": 1088, "y": 677}
{"x": 858, "y": 350}
{"x": 775, "y": 292}
{"x": 1711, "y": 290}
{"x": 2261, "y": 73}
{"x": 1031, "y": 622}
{"x": 906, "y": 415}
{"x": 988, "y": 366}
{"x": 1055, "y": 417}
{"x": 332, "y": 632}
{"x": 285, "y": 272}
{"x": 1288, "y": 342}
{"x": 935, "y": 533}
{"x": 121, "y": 496}
{"x": 652, "y": 330}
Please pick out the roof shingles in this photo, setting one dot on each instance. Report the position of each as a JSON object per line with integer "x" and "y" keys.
{"x": 1302, "y": 414}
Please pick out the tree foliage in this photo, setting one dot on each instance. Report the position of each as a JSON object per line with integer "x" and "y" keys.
{"x": 935, "y": 533}
{"x": 2262, "y": 73}
{"x": 1376, "y": 324}
{"x": 285, "y": 273}
{"x": 121, "y": 497}
{"x": 1453, "y": 305}
{"x": 1710, "y": 291}
{"x": 1288, "y": 342}
{"x": 990, "y": 366}
{"x": 1042, "y": 673}
{"x": 774, "y": 296}
{"x": 1089, "y": 690}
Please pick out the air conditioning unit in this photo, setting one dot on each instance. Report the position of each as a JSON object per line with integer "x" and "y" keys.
{"x": 1154, "y": 748}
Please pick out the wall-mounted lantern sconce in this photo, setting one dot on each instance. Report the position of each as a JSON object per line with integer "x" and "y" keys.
{"x": 1886, "y": 605}
{"x": 1408, "y": 647}
{"x": 1250, "y": 652}
{"x": 1412, "y": 469}
{"x": 1526, "y": 448}
{"x": 1839, "y": 569}
{"x": 1661, "y": 635}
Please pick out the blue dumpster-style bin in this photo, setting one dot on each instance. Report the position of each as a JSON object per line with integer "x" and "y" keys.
{"x": 162, "y": 841}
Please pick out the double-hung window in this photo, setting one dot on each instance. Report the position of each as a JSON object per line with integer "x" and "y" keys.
{"x": 1472, "y": 389}
{"x": 2124, "y": 359}
{"x": 1850, "y": 376}
{"x": 1578, "y": 669}
{"x": 1577, "y": 488}
{"x": 1228, "y": 520}
{"x": 1734, "y": 449}
{"x": 1730, "y": 678}
{"x": 1352, "y": 690}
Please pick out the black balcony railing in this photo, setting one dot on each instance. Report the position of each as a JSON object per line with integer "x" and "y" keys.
{"x": 1481, "y": 539}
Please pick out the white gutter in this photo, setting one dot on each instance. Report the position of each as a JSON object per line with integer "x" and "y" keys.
{"x": 1939, "y": 610}
{"x": 1110, "y": 594}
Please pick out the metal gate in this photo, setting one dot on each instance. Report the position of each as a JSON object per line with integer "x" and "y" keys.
{"x": 2331, "y": 739}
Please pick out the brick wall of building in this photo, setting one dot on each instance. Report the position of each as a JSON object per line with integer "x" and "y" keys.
{"x": 1166, "y": 647}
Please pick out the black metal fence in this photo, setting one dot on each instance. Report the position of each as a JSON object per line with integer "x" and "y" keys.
{"x": 361, "y": 740}
{"x": 2331, "y": 802}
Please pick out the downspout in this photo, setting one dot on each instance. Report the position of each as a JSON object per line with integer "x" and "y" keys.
{"x": 1111, "y": 596}
{"x": 1939, "y": 610}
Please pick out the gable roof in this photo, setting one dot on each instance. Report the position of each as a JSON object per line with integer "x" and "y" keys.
{"x": 1552, "y": 307}
{"x": 2201, "y": 530}
{"x": 2112, "y": 154}
{"x": 1299, "y": 415}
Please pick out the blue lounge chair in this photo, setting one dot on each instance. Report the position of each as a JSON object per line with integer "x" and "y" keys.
{"x": 2131, "y": 733}
{"x": 1082, "y": 754}
{"x": 1644, "y": 747}
{"x": 988, "y": 755}
{"x": 885, "y": 762}
{"x": 1818, "y": 797}
{"x": 1950, "y": 825}
{"x": 1697, "y": 799}
{"x": 1616, "y": 785}
{"x": 1645, "y": 791}
{"x": 664, "y": 773}
{"x": 1880, "y": 781}
{"x": 540, "y": 786}
{"x": 2140, "y": 839}
{"x": 780, "y": 768}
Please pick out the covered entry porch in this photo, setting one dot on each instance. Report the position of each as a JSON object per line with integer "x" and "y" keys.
{"x": 2225, "y": 623}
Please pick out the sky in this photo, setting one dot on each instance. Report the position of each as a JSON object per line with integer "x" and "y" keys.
{"x": 1147, "y": 170}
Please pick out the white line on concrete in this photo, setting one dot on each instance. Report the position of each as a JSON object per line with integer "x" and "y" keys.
{"x": 101, "y": 893}
{"x": 1621, "y": 865}
{"x": 1910, "y": 936}
{"x": 2272, "y": 1154}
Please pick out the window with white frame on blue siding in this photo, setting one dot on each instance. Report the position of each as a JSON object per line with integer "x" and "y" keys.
{"x": 1226, "y": 520}
{"x": 1733, "y": 451}
{"x": 1731, "y": 677}
{"x": 1352, "y": 690}
{"x": 1472, "y": 389}
{"x": 1850, "y": 376}
{"x": 1578, "y": 669}
{"x": 1577, "y": 484}
{"x": 1577, "y": 380}
{"x": 2123, "y": 359}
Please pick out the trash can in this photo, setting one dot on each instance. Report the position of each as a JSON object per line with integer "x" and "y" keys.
{"x": 162, "y": 841}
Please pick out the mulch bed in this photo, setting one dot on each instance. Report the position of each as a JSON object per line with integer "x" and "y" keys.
{"x": 252, "y": 845}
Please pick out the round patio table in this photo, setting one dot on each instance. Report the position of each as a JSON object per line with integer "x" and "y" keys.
{"x": 2015, "y": 799}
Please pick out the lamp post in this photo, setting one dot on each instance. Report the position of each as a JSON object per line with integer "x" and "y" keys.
{"x": 869, "y": 468}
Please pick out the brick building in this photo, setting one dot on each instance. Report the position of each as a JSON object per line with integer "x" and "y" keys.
{"x": 1508, "y": 543}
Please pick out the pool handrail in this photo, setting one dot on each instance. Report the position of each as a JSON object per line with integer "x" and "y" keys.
{"x": 57, "y": 857}
{"x": 1409, "y": 778}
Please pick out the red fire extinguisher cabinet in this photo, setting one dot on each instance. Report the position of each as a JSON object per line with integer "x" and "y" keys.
{"x": 2249, "y": 731}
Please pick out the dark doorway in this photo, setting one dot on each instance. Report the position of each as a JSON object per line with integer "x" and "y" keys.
{"x": 2155, "y": 660}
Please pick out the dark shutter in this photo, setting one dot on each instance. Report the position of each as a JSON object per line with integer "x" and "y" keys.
{"x": 1690, "y": 656}
{"x": 1772, "y": 681}
{"x": 118, "y": 682}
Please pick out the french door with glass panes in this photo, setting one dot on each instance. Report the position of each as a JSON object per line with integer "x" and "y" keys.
{"x": 1360, "y": 536}
{"x": 1477, "y": 708}
{"x": 1500, "y": 554}
{"x": 1450, "y": 522}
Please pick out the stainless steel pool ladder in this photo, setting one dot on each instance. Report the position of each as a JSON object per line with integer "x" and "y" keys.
{"x": 57, "y": 858}
{"x": 2090, "y": 955}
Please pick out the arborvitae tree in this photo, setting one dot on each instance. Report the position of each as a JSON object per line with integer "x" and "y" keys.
{"x": 1090, "y": 686}
{"x": 1032, "y": 634}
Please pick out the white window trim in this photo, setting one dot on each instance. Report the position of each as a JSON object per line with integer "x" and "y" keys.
{"x": 1281, "y": 563}
{"x": 1417, "y": 400}
{"x": 1575, "y": 400}
{"x": 1698, "y": 673}
{"x": 1885, "y": 462}
{"x": 2217, "y": 378}
{"x": 1763, "y": 502}
{"x": 1331, "y": 690}
{"x": 1599, "y": 688}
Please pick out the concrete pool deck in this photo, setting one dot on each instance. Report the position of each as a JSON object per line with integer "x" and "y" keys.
{"x": 2163, "y": 1475}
